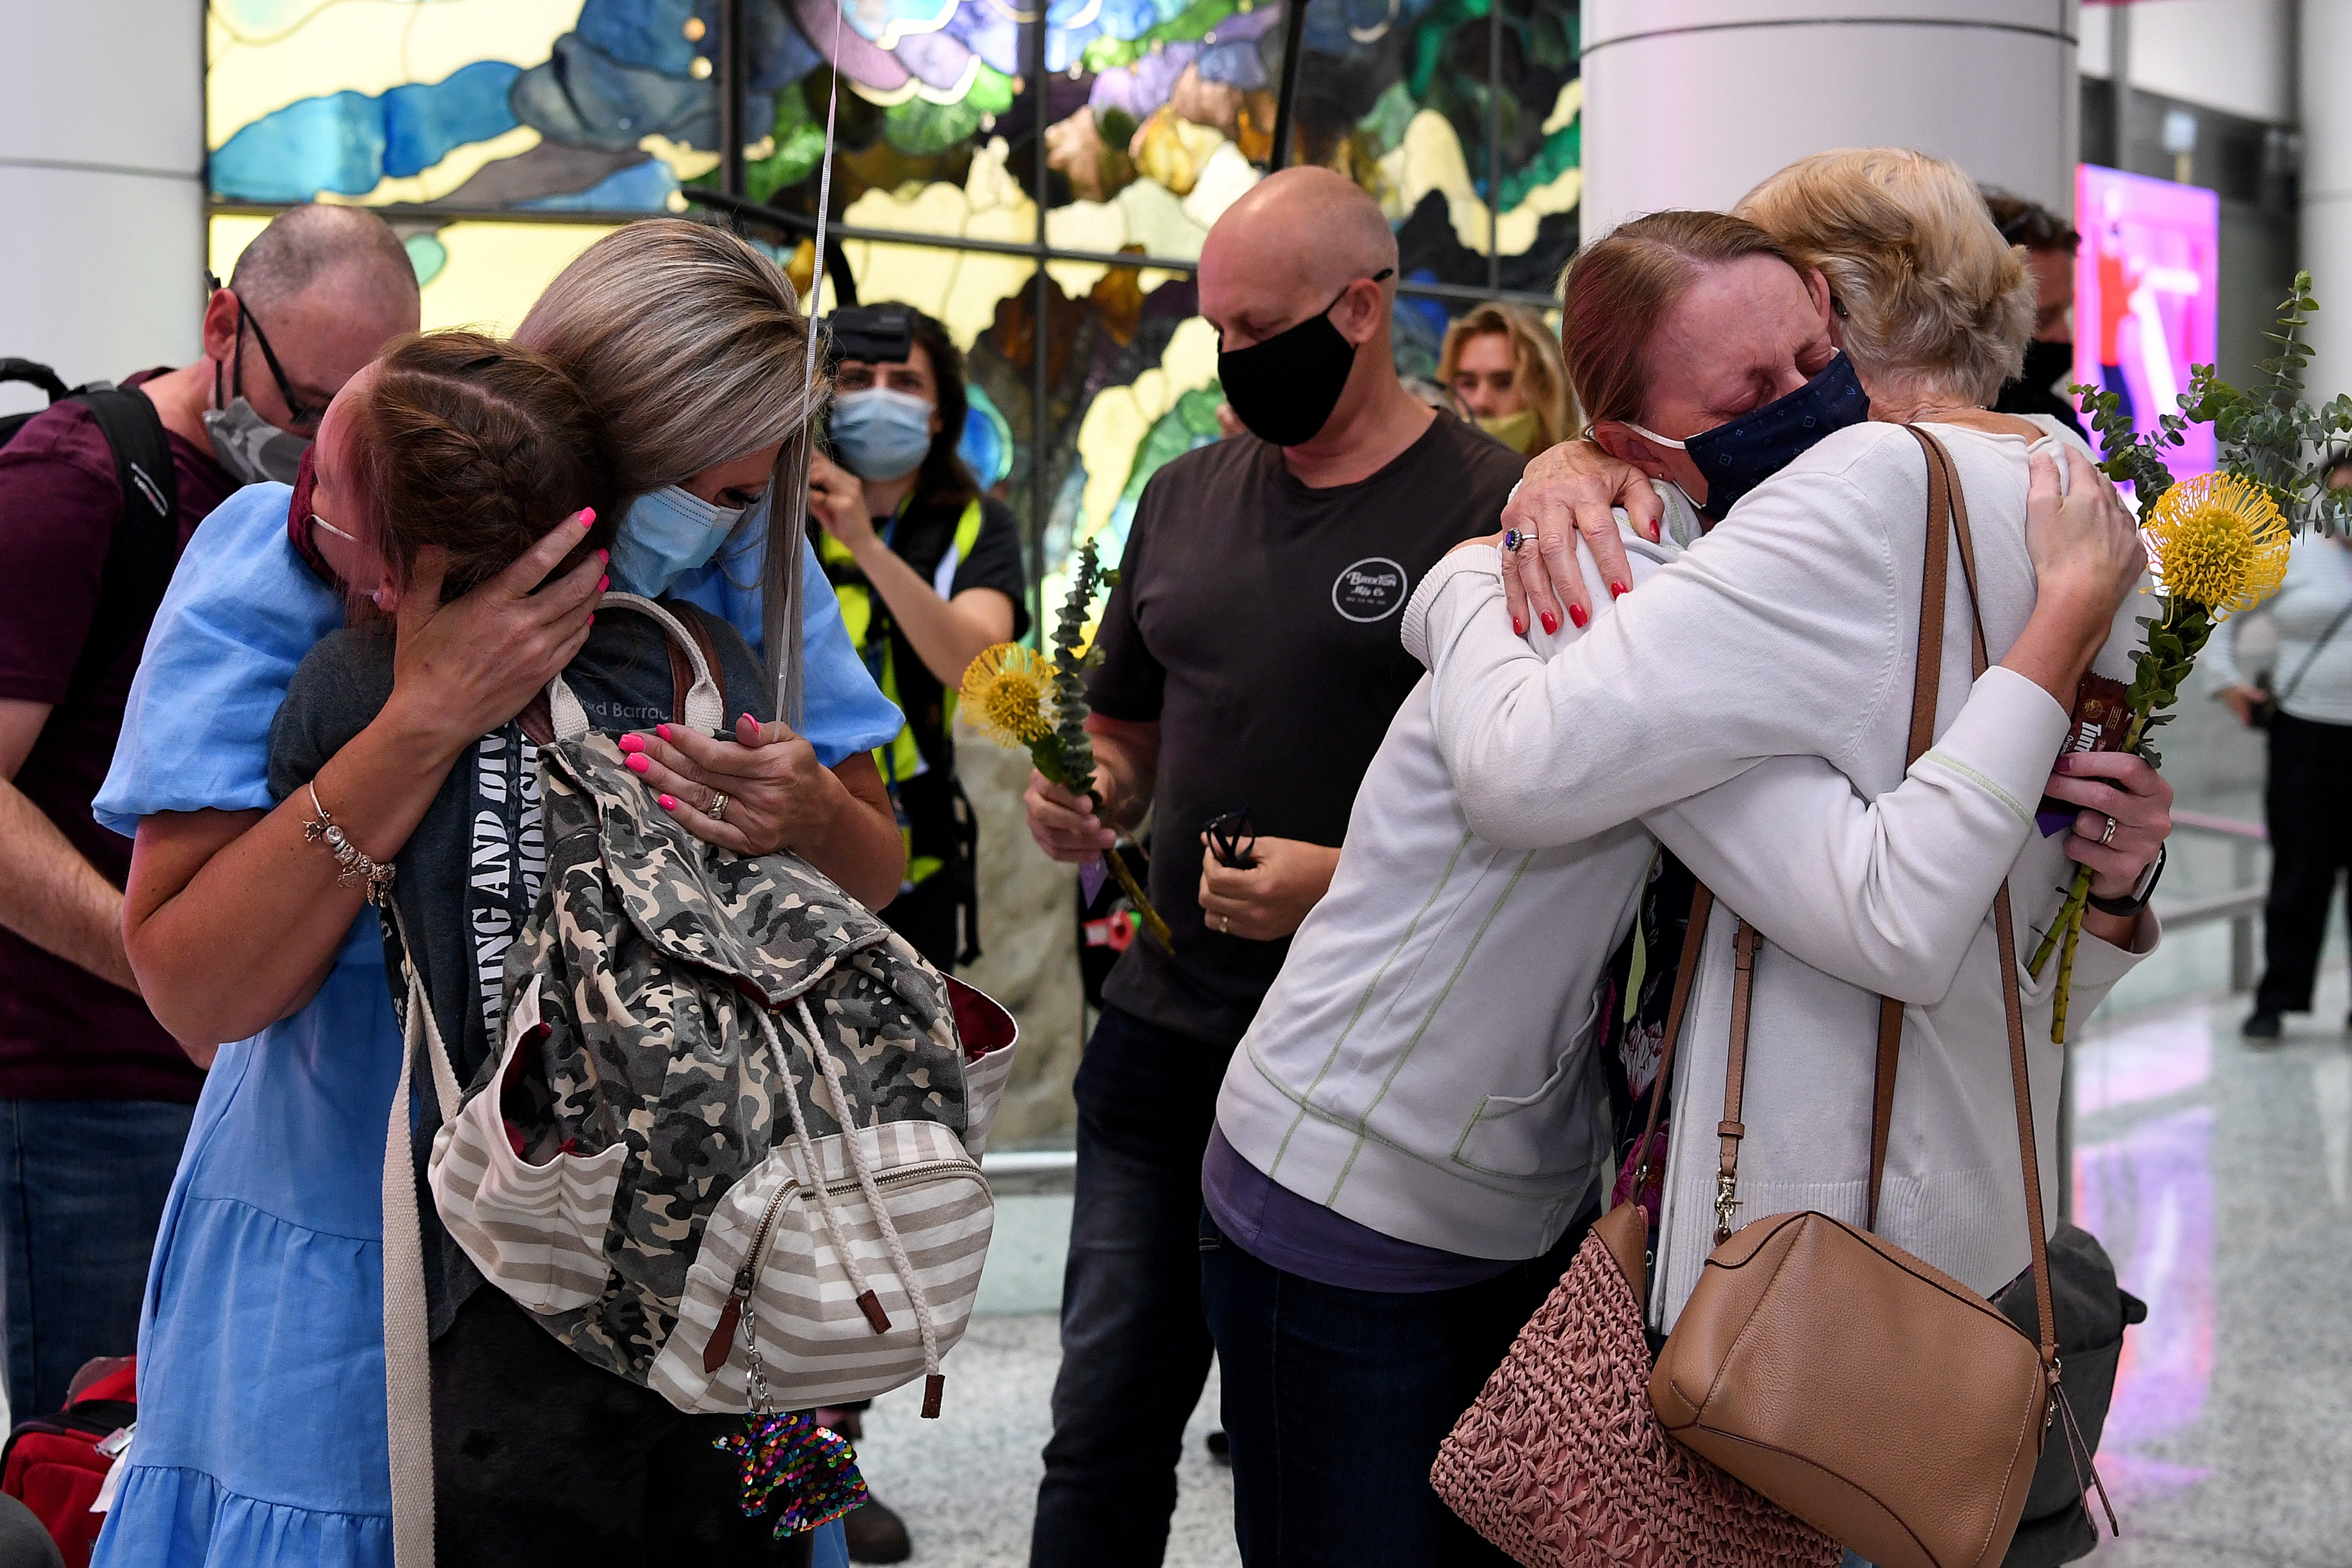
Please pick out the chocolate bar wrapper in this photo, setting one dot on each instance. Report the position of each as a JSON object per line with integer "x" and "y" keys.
{"x": 2102, "y": 718}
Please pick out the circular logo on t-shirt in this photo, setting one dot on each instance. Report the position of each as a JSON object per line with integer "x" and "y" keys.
{"x": 1371, "y": 590}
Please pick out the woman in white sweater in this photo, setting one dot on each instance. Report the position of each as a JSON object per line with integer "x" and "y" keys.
{"x": 1411, "y": 1133}
{"x": 2310, "y": 758}
{"x": 1790, "y": 632}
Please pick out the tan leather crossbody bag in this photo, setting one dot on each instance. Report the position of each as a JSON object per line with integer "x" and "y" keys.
{"x": 1878, "y": 1399}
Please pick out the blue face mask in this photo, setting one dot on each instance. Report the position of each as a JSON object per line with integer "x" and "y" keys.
{"x": 1740, "y": 454}
{"x": 664, "y": 536}
{"x": 881, "y": 434}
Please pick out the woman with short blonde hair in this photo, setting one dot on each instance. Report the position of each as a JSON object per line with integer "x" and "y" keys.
{"x": 1504, "y": 369}
{"x": 1932, "y": 304}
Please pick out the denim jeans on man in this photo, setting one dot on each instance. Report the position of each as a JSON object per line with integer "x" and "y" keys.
{"x": 1336, "y": 1401}
{"x": 1134, "y": 1346}
{"x": 82, "y": 1183}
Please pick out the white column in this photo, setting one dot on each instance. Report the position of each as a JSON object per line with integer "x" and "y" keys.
{"x": 101, "y": 171}
{"x": 2326, "y": 51}
{"x": 1688, "y": 104}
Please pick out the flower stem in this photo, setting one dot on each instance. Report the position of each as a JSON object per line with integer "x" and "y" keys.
{"x": 2066, "y": 970}
{"x": 1136, "y": 896}
{"x": 2070, "y": 916}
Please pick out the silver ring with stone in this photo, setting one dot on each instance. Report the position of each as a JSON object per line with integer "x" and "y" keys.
{"x": 718, "y": 807}
{"x": 2109, "y": 836}
{"x": 1513, "y": 539}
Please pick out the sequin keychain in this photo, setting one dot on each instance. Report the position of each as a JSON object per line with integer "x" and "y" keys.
{"x": 783, "y": 1451}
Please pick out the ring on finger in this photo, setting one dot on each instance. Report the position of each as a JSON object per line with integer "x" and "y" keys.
{"x": 2109, "y": 836}
{"x": 1513, "y": 539}
{"x": 718, "y": 807}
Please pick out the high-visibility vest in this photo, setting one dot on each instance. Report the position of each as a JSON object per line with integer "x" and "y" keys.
{"x": 902, "y": 758}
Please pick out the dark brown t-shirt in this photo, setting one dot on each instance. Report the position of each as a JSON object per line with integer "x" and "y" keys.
{"x": 1257, "y": 619}
{"x": 65, "y": 1033}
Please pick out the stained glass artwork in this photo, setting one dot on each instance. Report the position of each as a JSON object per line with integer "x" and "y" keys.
{"x": 500, "y": 137}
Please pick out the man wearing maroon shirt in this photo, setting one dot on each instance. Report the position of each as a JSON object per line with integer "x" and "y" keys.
{"x": 95, "y": 1097}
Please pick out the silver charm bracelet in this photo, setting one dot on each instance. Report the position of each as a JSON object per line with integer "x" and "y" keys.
{"x": 357, "y": 869}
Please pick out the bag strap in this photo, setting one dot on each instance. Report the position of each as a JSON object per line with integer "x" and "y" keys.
{"x": 2020, "y": 1077}
{"x": 145, "y": 546}
{"x": 2295, "y": 681}
{"x": 407, "y": 1330}
{"x": 1927, "y": 683}
{"x": 1943, "y": 482}
{"x": 1686, "y": 972}
{"x": 701, "y": 706}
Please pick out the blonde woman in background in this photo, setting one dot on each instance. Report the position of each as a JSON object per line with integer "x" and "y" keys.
{"x": 1504, "y": 372}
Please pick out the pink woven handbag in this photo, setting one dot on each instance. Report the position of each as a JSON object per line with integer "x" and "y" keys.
{"x": 1563, "y": 1463}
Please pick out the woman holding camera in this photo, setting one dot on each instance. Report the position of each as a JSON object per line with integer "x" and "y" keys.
{"x": 929, "y": 573}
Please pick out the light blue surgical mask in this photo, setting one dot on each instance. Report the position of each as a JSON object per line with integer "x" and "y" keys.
{"x": 665, "y": 535}
{"x": 881, "y": 434}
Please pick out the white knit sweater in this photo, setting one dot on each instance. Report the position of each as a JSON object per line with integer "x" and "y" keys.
{"x": 1788, "y": 633}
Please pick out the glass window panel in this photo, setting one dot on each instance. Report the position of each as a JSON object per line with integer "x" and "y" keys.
{"x": 1151, "y": 117}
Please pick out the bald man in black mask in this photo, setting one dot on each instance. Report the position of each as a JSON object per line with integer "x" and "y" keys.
{"x": 1250, "y": 659}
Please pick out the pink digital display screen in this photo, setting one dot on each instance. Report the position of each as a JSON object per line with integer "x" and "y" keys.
{"x": 2145, "y": 285}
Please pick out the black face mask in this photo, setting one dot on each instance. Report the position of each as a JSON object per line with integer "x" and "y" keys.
{"x": 1738, "y": 456}
{"x": 2045, "y": 363}
{"x": 1284, "y": 388}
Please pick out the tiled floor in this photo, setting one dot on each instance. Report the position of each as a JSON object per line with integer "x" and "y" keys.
{"x": 2220, "y": 1177}
{"x": 2217, "y": 1175}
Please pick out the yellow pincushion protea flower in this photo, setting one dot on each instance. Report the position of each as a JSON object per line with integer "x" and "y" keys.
{"x": 2217, "y": 541}
{"x": 1008, "y": 692}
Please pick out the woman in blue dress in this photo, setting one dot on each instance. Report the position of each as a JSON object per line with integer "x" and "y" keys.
{"x": 263, "y": 1435}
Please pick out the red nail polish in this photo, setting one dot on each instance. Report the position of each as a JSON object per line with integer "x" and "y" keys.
{"x": 639, "y": 762}
{"x": 669, "y": 803}
{"x": 1519, "y": 628}
{"x": 1576, "y": 612}
{"x": 1550, "y": 622}
{"x": 663, "y": 731}
{"x": 1618, "y": 590}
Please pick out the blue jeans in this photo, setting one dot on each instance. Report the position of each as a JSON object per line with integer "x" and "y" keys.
{"x": 1336, "y": 1401}
{"x": 1134, "y": 1346}
{"x": 82, "y": 1183}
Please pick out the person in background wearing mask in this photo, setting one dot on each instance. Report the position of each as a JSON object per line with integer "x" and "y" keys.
{"x": 95, "y": 1097}
{"x": 2050, "y": 243}
{"x": 929, "y": 574}
{"x": 1250, "y": 664}
{"x": 1504, "y": 372}
{"x": 2304, "y": 700}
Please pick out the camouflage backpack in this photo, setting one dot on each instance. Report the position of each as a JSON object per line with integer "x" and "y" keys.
{"x": 727, "y": 1147}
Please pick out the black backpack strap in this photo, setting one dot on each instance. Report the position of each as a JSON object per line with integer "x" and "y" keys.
{"x": 34, "y": 372}
{"x": 146, "y": 540}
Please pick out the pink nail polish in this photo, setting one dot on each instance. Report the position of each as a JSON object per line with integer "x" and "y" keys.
{"x": 669, "y": 803}
{"x": 1576, "y": 612}
{"x": 1550, "y": 621}
{"x": 632, "y": 743}
{"x": 604, "y": 555}
{"x": 587, "y": 517}
{"x": 605, "y": 582}
{"x": 638, "y": 763}
{"x": 663, "y": 731}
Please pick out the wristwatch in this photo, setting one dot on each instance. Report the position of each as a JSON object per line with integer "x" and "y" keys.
{"x": 2145, "y": 889}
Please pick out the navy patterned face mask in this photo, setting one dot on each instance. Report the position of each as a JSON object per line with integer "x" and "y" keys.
{"x": 1740, "y": 454}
